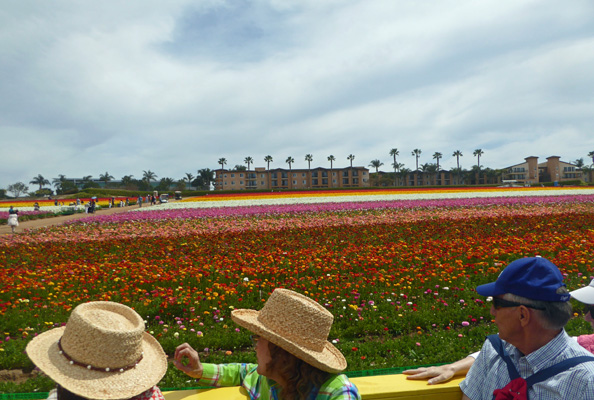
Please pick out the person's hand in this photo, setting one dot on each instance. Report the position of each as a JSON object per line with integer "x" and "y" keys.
{"x": 193, "y": 367}
{"x": 440, "y": 374}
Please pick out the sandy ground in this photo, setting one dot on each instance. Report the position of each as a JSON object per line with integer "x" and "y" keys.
{"x": 39, "y": 223}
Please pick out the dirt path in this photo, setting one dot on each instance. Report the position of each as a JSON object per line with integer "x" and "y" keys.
{"x": 39, "y": 223}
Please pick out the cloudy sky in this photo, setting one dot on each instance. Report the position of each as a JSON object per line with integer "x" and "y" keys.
{"x": 172, "y": 86}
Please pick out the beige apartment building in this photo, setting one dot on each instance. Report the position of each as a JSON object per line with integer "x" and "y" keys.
{"x": 280, "y": 178}
{"x": 532, "y": 172}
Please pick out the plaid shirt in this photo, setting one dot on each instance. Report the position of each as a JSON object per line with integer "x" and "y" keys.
{"x": 489, "y": 372}
{"x": 337, "y": 387}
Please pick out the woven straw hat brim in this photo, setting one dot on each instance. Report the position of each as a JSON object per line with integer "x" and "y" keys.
{"x": 330, "y": 359}
{"x": 43, "y": 351}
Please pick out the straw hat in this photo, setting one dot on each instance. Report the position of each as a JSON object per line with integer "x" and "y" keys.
{"x": 103, "y": 352}
{"x": 297, "y": 324}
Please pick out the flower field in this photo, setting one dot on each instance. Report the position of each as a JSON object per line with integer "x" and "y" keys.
{"x": 397, "y": 271}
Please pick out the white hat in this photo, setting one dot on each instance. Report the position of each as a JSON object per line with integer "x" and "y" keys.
{"x": 585, "y": 294}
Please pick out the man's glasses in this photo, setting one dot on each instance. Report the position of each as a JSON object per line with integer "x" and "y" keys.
{"x": 255, "y": 339}
{"x": 502, "y": 303}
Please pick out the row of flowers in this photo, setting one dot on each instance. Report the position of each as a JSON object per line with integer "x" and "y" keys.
{"x": 398, "y": 276}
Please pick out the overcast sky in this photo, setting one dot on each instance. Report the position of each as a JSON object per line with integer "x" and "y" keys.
{"x": 172, "y": 86}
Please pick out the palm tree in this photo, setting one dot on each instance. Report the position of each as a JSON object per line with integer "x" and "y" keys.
{"x": 58, "y": 181}
{"x": 149, "y": 176}
{"x": 309, "y": 159}
{"x": 39, "y": 180}
{"x": 351, "y": 157}
{"x": 222, "y": 161}
{"x": 249, "y": 161}
{"x": 458, "y": 154}
{"x": 206, "y": 175}
{"x": 290, "y": 160}
{"x": 189, "y": 178}
{"x": 394, "y": 152}
{"x": 417, "y": 154}
{"x": 105, "y": 177}
{"x": 436, "y": 156}
{"x": 331, "y": 158}
{"x": 591, "y": 155}
{"x": 403, "y": 175}
{"x": 478, "y": 153}
{"x": 579, "y": 162}
{"x": 376, "y": 164}
{"x": 127, "y": 180}
{"x": 397, "y": 167}
{"x": 268, "y": 159}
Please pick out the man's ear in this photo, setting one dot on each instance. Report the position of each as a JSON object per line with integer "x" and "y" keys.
{"x": 524, "y": 315}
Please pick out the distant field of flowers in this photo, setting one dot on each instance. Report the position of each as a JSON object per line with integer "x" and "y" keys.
{"x": 396, "y": 268}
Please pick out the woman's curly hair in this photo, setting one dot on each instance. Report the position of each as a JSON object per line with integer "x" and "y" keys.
{"x": 300, "y": 377}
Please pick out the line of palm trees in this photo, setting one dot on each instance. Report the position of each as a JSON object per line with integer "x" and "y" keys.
{"x": 398, "y": 167}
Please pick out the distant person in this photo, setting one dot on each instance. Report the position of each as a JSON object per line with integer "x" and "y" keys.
{"x": 13, "y": 218}
{"x": 36, "y": 206}
{"x": 103, "y": 352}
{"x": 139, "y": 201}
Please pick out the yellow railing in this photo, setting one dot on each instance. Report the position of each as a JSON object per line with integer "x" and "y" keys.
{"x": 383, "y": 387}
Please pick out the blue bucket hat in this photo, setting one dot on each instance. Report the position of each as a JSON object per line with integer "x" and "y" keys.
{"x": 534, "y": 278}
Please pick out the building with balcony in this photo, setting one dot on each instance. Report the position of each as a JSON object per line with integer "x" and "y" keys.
{"x": 280, "y": 178}
{"x": 532, "y": 172}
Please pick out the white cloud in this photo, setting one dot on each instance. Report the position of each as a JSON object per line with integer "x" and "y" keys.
{"x": 173, "y": 86}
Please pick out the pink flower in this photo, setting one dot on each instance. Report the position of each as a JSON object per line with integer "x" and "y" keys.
{"x": 465, "y": 323}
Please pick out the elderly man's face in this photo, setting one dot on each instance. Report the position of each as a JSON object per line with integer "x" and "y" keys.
{"x": 506, "y": 319}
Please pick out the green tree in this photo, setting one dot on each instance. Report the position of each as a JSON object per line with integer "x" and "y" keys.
{"x": 458, "y": 154}
{"x": 417, "y": 154}
{"x": 376, "y": 164}
{"x": 591, "y": 155}
{"x": 579, "y": 162}
{"x": 222, "y": 161}
{"x": 204, "y": 178}
{"x": 478, "y": 153}
{"x": 105, "y": 178}
{"x": 351, "y": 158}
{"x": 290, "y": 160}
{"x": 249, "y": 161}
{"x": 268, "y": 159}
{"x": 394, "y": 152}
{"x": 39, "y": 180}
{"x": 189, "y": 178}
{"x": 436, "y": 156}
{"x": 309, "y": 159}
{"x": 149, "y": 176}
{"x": 17, "y": 189}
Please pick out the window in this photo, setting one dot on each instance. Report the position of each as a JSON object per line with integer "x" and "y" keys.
{"x": 261, "y": 175}
{"x": 304, "y": 182}
{"x": 345, "y": 181}
{"x": 262, "y": 183}
{"x": 232, "y": 175}
{"x": 325, "y": 181}
{"x": 355, "y": 181}
{"x": 241, "y": 175}
{"x": 314, "y": 174}
{"x": 314, "y": 182}
{"x": 334, "y": 173}
{"x": 294, "y": 182}
{"x": 284, "y": 182}
{"x": 284, "y": 175}
{"x": 273, "y": 175}
{"x": 324, "y": 174}
{"x": 225, "y": 175}
{"x": 294, "y": 175}
{"x": 345, "y": 173}
{"x": 303, "y": 174}
{"x": 233, "y": 182}
{"x": 354, "y": 172}
{"x": 275, "y": 183}
{"x": 241, "y": 182}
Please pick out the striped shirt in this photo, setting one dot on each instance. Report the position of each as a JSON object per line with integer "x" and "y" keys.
{"x": 489, "y": 372}
{"x": 337, "y": 387}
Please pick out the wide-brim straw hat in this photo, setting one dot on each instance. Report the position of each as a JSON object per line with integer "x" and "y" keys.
{"x": 297, "y": 324}
{"x": 103, "y": 352}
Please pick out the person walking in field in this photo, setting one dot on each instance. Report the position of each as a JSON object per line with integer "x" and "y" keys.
{"x": 13, "y": 218}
